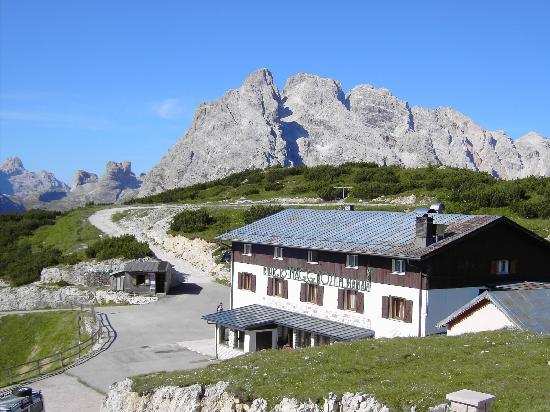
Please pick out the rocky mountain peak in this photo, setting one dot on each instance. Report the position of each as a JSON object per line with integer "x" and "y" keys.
{"x": 82, "y": 177}
{"x": 312, "y": 121}
{"x": 533, "y": 138}
{"x": 12, "y": 166}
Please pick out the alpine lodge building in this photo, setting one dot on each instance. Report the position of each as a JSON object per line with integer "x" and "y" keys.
{"x": 305, "y": 277}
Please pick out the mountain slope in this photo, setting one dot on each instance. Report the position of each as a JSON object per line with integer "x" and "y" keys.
{"x": 312, "y": 121}
{"x": 29, "y": 188}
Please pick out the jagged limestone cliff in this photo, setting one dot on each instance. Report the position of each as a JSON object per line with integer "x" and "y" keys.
{"x": 312, "y": 121}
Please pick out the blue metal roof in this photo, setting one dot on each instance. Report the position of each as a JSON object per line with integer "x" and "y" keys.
{"x": 256, "y": 316}
{"x": 363, "y": 232}
{"x": 528, "y": 309}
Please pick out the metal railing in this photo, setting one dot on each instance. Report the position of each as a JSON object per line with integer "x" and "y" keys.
{"x": 35, "y": 368}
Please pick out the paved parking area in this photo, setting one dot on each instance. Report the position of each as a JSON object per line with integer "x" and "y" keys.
{"x": 149, "y": 338}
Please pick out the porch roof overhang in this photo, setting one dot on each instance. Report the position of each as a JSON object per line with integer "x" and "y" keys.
{"x": 255, "y": 316}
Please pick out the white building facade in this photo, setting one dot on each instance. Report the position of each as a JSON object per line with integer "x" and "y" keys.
{"x": 306, "y": 278}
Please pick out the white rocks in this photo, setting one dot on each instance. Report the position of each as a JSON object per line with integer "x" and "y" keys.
{"x": 216, "y": 398}
{"x": 313, "y": 122}
{"x": 361, "y": 403}
{"x": 87, "y": 273}
{"x": 151, "y": 225}
{"x": 105, "y": 297}
{"x": 32, "y": 297}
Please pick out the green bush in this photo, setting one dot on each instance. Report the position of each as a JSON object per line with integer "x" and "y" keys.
{"x": 189, "y": 221}
{"x": 247, "y": 190}
{"x": 126, "y": 246}
{"x": 258, "y": 212}
{"x": 19, "y": 263}
{"x": 273, "y": 186}
{"x": 329, "y": 193}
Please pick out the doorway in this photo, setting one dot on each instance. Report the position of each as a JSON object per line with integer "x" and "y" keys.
{"x": 119, "y": 283}
{"x": 264, "y": 340}
{"x": 159, "y": 283}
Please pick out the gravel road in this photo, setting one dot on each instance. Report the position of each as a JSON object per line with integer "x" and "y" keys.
{"x": 166, "y": 335}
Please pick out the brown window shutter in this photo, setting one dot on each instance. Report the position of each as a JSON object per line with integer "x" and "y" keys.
{"x": 303, "y": 292}
{"x": 514, "y": 267}
{"x": 385, "y": 307}
{"x": 494, "y": 268}
{"x": 408, "y": 311}
{"x": 285, "y": 289}
{"x": 253, "y": 283}
{"x": 320, "y": 293}
{"x": 270, "y": 286}
{"x": 240, "y": 280}
{"x": 341, "y": 298}
{"x": 360, "y": 302}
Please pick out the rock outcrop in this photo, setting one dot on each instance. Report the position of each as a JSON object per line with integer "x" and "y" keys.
{"x": 313, "y": 121}
{"x": 29, "y": 188}
{"x": 217, "y": 398}
{"x": 116, "y": 184}
{"x": 21, "y": 189}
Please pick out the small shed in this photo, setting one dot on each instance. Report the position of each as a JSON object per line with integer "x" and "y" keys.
{"x": 524, "y": 306}
{"x": 143, "y": 277}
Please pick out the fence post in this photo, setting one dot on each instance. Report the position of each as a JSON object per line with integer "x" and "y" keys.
{"x": 61, "y": 359}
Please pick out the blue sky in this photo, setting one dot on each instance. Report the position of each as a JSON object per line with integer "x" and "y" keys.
{"x": 86, "y": 82}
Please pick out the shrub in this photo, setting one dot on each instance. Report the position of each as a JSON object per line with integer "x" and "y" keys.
{"x": 329, "y": 193}
{"x": 323, "y": 173}
{"x": 273, "y": 186}
{"x": 188, "y": 221}
{"x": 126, "y": 246}
{"x": 258, "y": 212}
{"x": 247, "y": 190}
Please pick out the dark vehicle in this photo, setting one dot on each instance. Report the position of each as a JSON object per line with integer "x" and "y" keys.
{"x": 22, "y": 400}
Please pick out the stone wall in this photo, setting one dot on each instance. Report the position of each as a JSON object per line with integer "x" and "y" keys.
{"x": 217, "y": 398}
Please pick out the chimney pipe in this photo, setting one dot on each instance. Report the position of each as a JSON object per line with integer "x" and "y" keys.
{"x": 425, "y": 231}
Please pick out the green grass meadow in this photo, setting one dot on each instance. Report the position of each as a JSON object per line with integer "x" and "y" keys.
{"x": 513, "y": 366}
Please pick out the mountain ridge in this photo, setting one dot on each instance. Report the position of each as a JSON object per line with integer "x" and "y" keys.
{"x": 313, "y": 121}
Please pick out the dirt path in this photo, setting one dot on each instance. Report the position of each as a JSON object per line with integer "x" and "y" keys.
{"x": 103, "y": 221}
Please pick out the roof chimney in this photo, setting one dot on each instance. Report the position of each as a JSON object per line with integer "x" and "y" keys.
{"x": 425, "y": 231}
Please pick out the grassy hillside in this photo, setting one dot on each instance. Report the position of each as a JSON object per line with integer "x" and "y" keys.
{"x": 463, "y": 191}
{"x": 37, "y": 239}
{"x": 402, "y": 371}
{"x": 36, "y": 335}
{"x": 72, "y": 232}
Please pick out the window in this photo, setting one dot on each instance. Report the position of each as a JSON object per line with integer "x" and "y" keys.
{"x": 304, "y": 339}
{"x": 397, "y": 308}
{"x": 279, "y": 287}
{"x": 398, "y": 266}
{"x": 353, "y": 300}
{"x": 247, "y": 249}
{"x": 247, "y": 281}
{"x": 140, "y": 279}
{"x": 224, "y": 336}
{"x": 278, "y": 253}
{"x": 311, "y": 295}
{"x": 350, "y": 301}
{"x": 312, "y": 257}
{"x": 503, "y": 267}
{"x": 352, "y": 261}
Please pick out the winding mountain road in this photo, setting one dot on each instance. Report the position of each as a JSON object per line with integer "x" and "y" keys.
{"x": 165, "y": 335}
